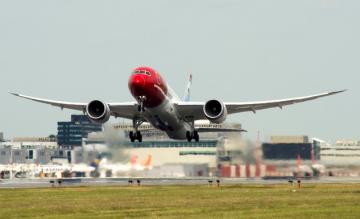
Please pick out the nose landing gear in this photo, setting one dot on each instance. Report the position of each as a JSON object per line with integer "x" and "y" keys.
{"x": 141, "y": 107}
{"x": 192, "y": 135}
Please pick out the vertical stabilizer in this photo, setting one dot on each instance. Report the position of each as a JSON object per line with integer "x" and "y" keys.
{"x": 186, "y": 97}
{"x": 133, "y": 160}
{"x": 147, "y": 162}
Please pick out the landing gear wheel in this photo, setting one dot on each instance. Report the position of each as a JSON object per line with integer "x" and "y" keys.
{"x": 196, "y": 136}
{"x": 138, "y": 136}
{"x": 135, "y": 136}
{"x": 131, "y": 136}
{"x": 188, "y": 136}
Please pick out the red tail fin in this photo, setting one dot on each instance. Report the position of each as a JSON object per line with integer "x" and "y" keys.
{"x": 133, "y": 159}
{"x": 147, "y": 161}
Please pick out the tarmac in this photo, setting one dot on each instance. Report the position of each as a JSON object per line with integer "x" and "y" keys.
{"x": 76, "y": 182}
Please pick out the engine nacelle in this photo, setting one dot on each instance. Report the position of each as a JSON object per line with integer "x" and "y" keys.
{"x": 215, "y": 111}
{"x": 98, "y": 112}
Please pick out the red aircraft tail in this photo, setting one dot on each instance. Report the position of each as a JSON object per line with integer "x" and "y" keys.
{"x": 147, "y": 161}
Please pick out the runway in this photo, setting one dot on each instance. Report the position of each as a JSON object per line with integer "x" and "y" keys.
{"x": 71, "y": 182}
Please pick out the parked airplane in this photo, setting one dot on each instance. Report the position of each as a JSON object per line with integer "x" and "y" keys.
{"x": 34, "y": 170}
{"x": 158, "y": 104}
{"x": 121, "y": 168}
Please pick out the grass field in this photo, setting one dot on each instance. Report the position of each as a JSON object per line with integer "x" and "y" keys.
{"x": 241, "y": 201}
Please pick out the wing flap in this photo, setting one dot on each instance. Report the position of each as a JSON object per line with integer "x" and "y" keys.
{"x": 127, "y": 110}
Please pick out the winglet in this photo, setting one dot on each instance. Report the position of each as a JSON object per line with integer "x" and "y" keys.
{"x": 15, "y": 94}
{"x": 337, "y": 92}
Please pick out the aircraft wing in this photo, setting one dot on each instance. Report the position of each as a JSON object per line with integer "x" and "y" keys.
{"x": 61, "y": 104}
{"x": 194, "y": 110}
{"x": 126, "y": 110}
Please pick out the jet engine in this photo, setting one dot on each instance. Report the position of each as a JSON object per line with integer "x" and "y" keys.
{"x": 215, "y": 111}
{"x": 98, "y": 112}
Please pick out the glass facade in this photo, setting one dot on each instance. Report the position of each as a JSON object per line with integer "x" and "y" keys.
{"x": 290, "y": 151}
{"x": 70, "y": 134}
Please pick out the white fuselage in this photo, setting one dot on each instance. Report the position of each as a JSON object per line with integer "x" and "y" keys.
{"x": 166, "y": 118}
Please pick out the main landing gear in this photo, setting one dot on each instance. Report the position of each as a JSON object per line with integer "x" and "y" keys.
{"x": 135, "y": 136}
{"x": 192, "y": 135}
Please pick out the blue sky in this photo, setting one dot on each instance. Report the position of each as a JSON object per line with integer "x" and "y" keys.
{"x": 236, "y": 50}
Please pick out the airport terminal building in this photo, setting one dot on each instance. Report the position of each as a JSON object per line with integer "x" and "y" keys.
{"x": 290, "y": 148}
{"x": 216, "y": 154}
{"x": 71, "y": 133}
{"x": 169, "y": 157}
{"x": 28, "y": 150}
{"x": 342, "y": 153}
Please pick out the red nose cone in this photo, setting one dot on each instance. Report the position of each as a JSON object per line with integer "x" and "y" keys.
{"x": 138, "y": 80}
{"x": 137, "y": 84}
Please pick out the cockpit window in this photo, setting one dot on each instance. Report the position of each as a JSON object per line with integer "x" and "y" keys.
{"x": 143, "y": 72}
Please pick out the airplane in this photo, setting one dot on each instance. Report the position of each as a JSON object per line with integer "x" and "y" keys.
{"x": 53, "y": 168}
{"x": 159, "y": 105}
{"x": 131, "y": 166}
{"x": 34, "y": 170}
